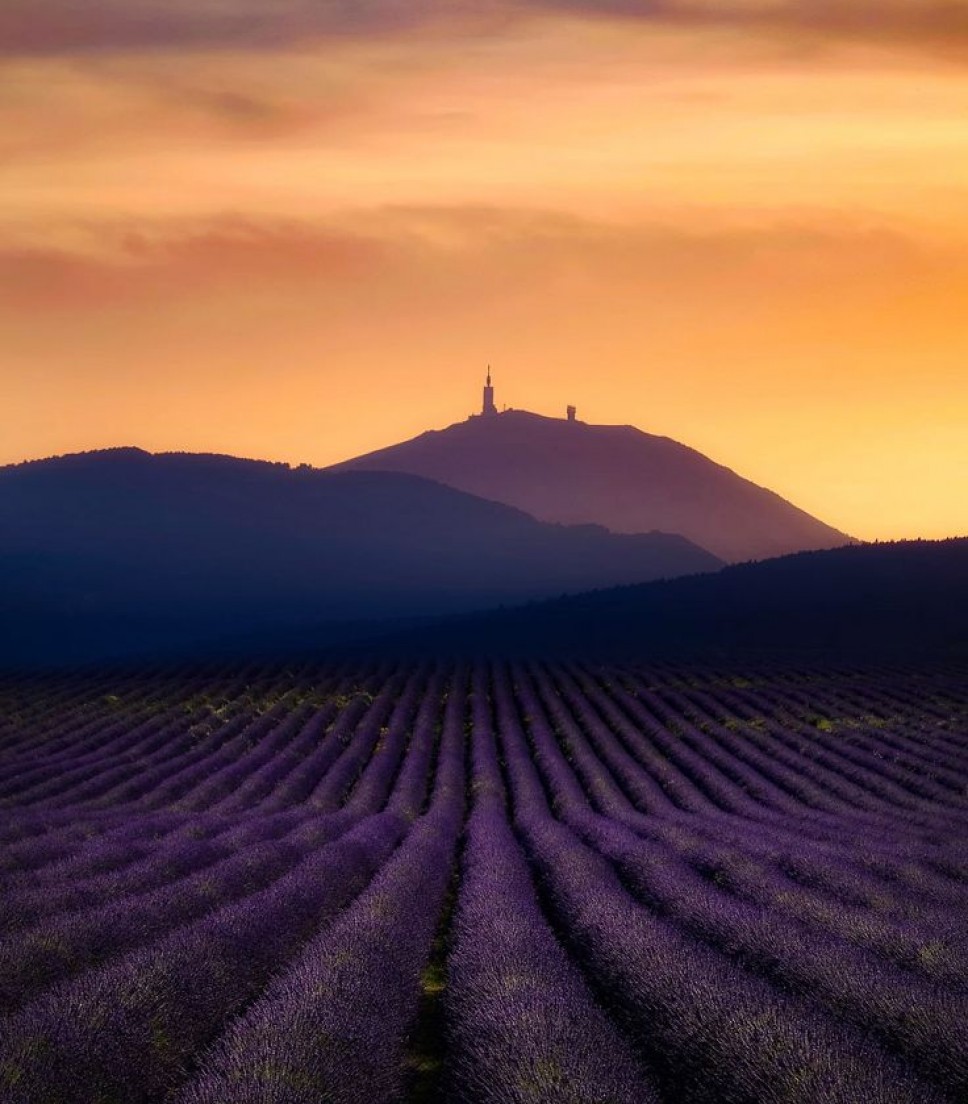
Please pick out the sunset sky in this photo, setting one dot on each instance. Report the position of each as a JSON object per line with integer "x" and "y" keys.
{"x": 300, "y": 229}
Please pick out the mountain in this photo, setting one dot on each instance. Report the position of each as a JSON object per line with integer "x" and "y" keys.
{"x": 121, "y": 551}
{"x": 617, "y": 476}
{"x": 883, "y": 600}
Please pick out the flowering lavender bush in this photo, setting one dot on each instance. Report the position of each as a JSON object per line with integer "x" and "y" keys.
{"x": 486, "y": 884}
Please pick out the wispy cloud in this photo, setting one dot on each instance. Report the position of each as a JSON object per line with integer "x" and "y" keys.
{"x": 65, "y": 26}
{"x": 452, "y": 252}
{"x": 114, "y": 263}
{"x": 97, "y": 26}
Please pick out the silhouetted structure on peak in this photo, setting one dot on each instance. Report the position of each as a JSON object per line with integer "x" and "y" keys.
{"x": 488, "y": 407}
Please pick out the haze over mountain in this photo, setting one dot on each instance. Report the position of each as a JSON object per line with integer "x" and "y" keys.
{"x": 569, "y": 472}
{"x": 121, "y": 551}
{"x": 895, "y": 600}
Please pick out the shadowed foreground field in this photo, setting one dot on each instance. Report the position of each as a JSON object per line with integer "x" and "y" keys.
{"x": 491, "y": 883}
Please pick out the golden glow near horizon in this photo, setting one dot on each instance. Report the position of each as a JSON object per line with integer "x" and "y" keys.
{"x": 747, "y": 236}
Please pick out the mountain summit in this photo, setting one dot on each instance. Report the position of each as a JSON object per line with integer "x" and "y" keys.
{"x": 566, "y": 471}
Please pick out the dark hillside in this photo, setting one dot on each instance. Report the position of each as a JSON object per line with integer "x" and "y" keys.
{"x": 119, "y": 552}
{"x": 897, "y": 598}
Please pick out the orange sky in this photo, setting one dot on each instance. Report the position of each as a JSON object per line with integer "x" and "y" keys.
{"x": 302, "y": 239}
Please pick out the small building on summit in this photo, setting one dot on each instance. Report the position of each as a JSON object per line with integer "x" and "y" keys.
{"x": 489, "y": 407}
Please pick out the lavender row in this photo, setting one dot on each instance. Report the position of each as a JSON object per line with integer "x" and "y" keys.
{"x": 709, "y": 1032}
{"x": 523, "y": 1024}
{"x": 126, "y": 1031}
{"x": 947, "y": 959}
{"x": 334, "y": 1026}
{"x": 594, "y": 756}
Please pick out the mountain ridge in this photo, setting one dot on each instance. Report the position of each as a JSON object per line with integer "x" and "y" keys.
{"x": 571, "y": 472}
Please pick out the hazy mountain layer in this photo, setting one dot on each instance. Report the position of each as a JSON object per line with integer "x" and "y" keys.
{"x": 111, "y": 552}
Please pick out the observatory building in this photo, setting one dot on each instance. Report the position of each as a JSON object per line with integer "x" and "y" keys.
{"x": 488, "y": 407}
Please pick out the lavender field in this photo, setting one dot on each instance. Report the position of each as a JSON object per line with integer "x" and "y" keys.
{"x": 367, "y": 882}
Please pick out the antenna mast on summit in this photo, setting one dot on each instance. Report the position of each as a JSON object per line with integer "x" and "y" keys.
{"x": 488, "y": 407}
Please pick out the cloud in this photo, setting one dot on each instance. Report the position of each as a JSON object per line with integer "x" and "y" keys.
{"x": 114, "y": 264}
{"x": 443, "y": 255}
{"x": 938, "y": 27}
{"x": 95, "y": 26}
{"x": 104, "y": 26}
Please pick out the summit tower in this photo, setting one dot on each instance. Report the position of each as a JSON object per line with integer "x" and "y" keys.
{"x": 488, "y": 406}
